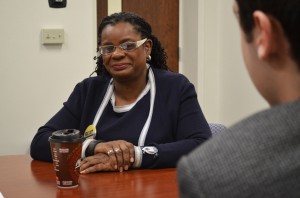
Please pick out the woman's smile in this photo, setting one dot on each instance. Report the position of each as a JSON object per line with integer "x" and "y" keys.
{"x": 119, "y": 66}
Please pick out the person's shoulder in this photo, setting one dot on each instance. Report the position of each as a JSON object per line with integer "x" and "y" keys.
{"x": 173, "y": 84}
{"x": 166, "y": 75}
{"x": 243, "y": 146}
{"x": 226, "y": 146}
{"x": 241, "y": 140}
{"x": 270, "y": 121}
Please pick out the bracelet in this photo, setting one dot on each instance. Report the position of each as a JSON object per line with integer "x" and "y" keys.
{"x": 90, "y": 149}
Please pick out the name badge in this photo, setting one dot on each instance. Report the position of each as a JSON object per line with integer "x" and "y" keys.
{"x": 90, "y": 132}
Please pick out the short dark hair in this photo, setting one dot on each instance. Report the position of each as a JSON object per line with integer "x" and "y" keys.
{"x": 158, "y": 54}
{"x": 286, "y": 12}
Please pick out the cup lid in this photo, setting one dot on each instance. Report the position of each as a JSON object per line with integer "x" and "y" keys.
{"x": 66, "y": 135}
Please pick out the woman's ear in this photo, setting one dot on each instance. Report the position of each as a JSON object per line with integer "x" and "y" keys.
{"x": 263, "y": 35}
{"x": 148, "y": 46}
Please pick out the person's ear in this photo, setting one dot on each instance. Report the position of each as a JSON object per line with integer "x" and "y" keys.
{"x": 263, "y": 35}
{"x": 148, "y": 46}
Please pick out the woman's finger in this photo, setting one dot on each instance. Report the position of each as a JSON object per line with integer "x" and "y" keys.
{"x": 131, "y": 152}
{"x": 119, "y": 156}
{"x": 99, "y": 162}
{"x": 112, "y": 157}
{"x": 126, "y": 156}
{"x": 107, "y": 149}
{"x": 97, "y": 167}
{"x": 120, "y": 152}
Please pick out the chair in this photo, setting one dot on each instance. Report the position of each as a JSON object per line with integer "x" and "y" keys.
{"x": 216, "y": 128}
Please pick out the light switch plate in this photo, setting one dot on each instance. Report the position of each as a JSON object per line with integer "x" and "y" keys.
{"x": 52, "y": 36}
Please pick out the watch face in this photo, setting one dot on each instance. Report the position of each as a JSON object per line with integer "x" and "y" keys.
{"x": 152, "y": 150}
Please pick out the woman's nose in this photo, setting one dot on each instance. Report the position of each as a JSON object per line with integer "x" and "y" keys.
{"x": 118, "y": 52}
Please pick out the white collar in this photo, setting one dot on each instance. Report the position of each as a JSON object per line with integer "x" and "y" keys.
{"x": 125, "y": 108}
{"x": 108, "y": 95}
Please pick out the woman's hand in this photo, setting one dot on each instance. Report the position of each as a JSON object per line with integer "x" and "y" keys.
{"x": 120, "y": 153}
{"x": 98, "y": 162}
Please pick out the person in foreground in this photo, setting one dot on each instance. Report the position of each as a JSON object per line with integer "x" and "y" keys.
{"x": 258, "y": 156}
{"x": 135, "y": 113}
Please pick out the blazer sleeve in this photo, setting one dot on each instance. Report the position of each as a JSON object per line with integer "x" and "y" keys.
{"x": 68, "y": 117}
{"x": 191, "y": 130}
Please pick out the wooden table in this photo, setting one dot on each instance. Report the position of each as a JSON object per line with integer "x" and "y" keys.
{"x": 20, "y": 176}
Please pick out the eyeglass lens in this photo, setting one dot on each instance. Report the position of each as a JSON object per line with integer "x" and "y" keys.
{"x": 127, "y": 46}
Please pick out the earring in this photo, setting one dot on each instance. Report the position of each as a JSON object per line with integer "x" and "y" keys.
{"x": 148, "y": 58}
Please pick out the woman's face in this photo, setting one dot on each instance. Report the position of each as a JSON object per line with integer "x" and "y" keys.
{"x": 125, "y": 65}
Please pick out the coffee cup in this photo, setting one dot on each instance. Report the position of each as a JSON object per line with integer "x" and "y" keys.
{"x": 66, "y": 146}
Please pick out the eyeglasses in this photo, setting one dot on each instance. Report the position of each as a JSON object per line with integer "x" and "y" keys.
{"x": 127, "y": 46}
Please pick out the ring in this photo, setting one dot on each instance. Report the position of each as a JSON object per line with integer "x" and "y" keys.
{"x": 117, "y": 150}
{"x": 110, "y": 152}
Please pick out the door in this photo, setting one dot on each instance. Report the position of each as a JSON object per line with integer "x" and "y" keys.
{"x": 163, "y": 16}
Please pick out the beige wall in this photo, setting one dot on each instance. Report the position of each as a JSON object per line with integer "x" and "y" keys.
{"x": 35, "y": 80}
{"x": 211, "y": 59}
{"x": 238, "y": 96}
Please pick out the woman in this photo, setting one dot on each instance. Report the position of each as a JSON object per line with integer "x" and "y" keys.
{"x": 135, "y": 113}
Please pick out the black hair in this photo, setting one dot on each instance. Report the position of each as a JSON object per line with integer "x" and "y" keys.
{"x": 158, "y": 54}
{"x": 286, "y": 12}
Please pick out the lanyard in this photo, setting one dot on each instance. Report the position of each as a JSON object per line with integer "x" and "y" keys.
{"x": 91, "y": 129}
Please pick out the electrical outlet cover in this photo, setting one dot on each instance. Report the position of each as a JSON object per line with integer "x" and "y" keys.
{"x": 52, "y": 36}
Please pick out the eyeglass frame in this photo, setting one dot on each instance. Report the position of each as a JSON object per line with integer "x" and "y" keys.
{"x": 137, "y": 43}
